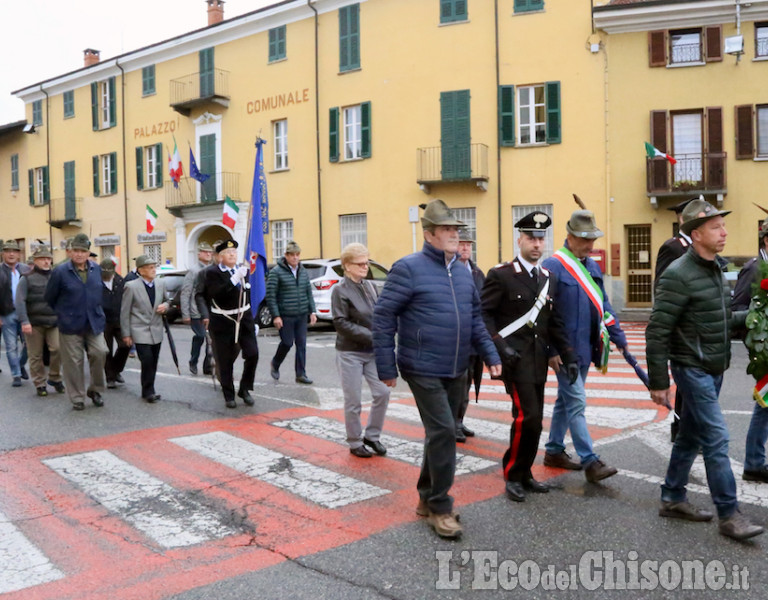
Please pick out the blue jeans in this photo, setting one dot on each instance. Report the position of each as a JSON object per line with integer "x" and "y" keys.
{"x": 701, "y": 425}
{"x": 569, "y": 414}
{"x": 293, "y": 331}
{"x": 757, "y": 435}
{"x": 11, "y": 334}
{"x": 198, "y": 339}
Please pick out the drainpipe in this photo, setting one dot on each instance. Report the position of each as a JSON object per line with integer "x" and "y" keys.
{"x": 125, "y": 174}
{"x": 498, "y": 130}
{"x": 48, "y": 163}
{"x": 317, "y": 131}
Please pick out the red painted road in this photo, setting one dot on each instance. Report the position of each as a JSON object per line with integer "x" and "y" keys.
{"x": 104, "y": 557}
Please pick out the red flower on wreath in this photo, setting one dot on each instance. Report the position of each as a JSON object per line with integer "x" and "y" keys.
{"x": 764, "y": 284}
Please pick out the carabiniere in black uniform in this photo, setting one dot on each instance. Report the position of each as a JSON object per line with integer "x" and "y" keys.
{"x": 225, "y": 303}
{"x": 510, "y": 292}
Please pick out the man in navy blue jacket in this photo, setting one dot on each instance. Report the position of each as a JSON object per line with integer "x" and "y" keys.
{"x": 74, "y": 292}
{"x": 430, "y": 301}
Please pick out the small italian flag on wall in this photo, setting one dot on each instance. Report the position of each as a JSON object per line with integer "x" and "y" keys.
{"x": 230, "y": 212}
{"x": 653, "y": 153}
{"x": 151, "y": 219}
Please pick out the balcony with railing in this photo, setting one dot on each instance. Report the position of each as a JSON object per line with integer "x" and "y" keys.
{"x": 198, "y": 89}
{"x": 190, "y": 193}
{"x": 692, "y": 174}
{"x": 66, "y": 211}
{"x": 437, "y": 164}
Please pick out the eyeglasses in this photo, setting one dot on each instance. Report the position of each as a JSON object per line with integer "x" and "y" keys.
{"x": 360, "y": 264}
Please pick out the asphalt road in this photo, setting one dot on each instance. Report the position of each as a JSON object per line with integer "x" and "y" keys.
{"x": 373, "y": 549}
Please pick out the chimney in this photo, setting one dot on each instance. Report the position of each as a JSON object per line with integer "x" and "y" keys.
{"x": 215, "y": 11}
{"x": 90, "y": 57}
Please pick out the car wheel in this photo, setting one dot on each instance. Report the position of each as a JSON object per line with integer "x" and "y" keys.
{"x": 264, "y": 317}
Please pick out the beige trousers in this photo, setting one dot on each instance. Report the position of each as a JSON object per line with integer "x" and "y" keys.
{"x": 73, "y": 349}
{"x": 39, "y": 337}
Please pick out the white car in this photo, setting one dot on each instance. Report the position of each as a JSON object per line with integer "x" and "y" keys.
{"x": 325, "y": 273}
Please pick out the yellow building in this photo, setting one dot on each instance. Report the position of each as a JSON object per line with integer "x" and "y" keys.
{"x": 371, "y": 108}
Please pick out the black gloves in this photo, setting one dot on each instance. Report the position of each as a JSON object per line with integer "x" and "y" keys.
{"x": 509, "y": 356}
{"x": 573, "y": 372}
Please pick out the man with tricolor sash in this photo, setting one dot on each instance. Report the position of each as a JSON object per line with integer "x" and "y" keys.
{"x": 590, "y": 325}
{"x": 689, "y": 330}
{"x": 524, "y": 323}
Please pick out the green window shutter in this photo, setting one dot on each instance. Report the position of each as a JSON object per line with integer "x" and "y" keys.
{"x": 31, "y": 187}
{"x": 455, "y": 135}
{"x": 69, "y": 104}
{"x": 148, "y": 80}
{"x": 158, "y": 165}
{"x": 113, "y": 172}
{"x": 207, "y": 87}
{"x": 453, "y": 10}
{"x": 552, "y": 94}
{"x": 96, "y": 176}
{"x": 139, "y": 168}
{"x": 333, "y": 134}
{"x": 277, "y": 43}
{"x": 365, "y": 129}
{"x": 46, "y": 187}
{"x": 528, "y": 5}
{"x": 349, "y": 37}
{"x": 95, "y": 106}
{"x": 506, "y": 115}
{"x": 112, "y": 103}
{"x": 281, "y": 42}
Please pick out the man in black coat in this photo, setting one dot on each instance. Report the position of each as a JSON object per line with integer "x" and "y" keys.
{"x": 519, "y": 315}
{"x": 112, "y": 293}
{"x": 223, "y": 301}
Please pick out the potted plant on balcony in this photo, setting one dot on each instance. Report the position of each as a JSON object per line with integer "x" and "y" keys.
{"x": 686, "y": 185}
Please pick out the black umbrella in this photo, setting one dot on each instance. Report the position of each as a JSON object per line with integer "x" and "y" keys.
{"x": 476, "y": 374}
{"x": 214, "y": 364}
{"x": 642, "y": 375}
{"x": 172, "y": 344}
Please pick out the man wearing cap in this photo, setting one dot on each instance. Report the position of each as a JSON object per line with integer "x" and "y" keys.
{"x": 430, "y": 303}
{"x": 690, "y": 328}
{"x": 10, "y": 274}
{"x": 189, "y": 313}
{"x": 590, "y": 325}
{"x": 523, "y": 323}
{"x": 223, "y": 297}
{"x": 141, "y": 321}
{"x": 38, "y": 323}
{"x": 475, "y": 369}
{"x": 290, "y": 300}
{"x": 112, "y": 285}
{"x": 74, "y": 293}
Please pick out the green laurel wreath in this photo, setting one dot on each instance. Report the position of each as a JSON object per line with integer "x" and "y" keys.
{"x": 757, "y": 325}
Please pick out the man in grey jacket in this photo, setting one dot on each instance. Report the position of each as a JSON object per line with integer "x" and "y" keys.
{"x": 141, "y": 321}
{"x": 190, "y": 315}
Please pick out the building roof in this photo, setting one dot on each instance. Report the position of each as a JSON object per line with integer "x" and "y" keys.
{"x": 11, "y": 127}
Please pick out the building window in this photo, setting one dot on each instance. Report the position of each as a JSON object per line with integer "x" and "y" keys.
{"x": 69, "y": 104}
{"x": 154, "y": 252}
{"x": 282, "y": 233}
{"x": 761, "y": 39}
{"x": 468, "y": 217}
{"x": 37, "y": 112}
{"x": 149, "y": 167}
{"x": 352, "y": 131}
{"x": 518, "y": 212}
{"x": 103, "y": 105}
{"x": 14, "y": 172}
{"x": 353, "y": 228}
{"x": 280, "y": 136}
{"x": 39, "y": 193}
{"x": 528, "y": 5}
{"x": 148, "y": 80}
{"x": 355, "y": 132}
{"x": 105, "y": 174}
{"x": 538, "y": 114}
{"x": 762, "y": 131}
{"x": 349, "y": 37}
{"x": 107, "y": 252}
{"x": 453, "y": 10}
{"x": 685, "y": 46}
{"x": 687, "y": 147}
{"x": 277, "y": 43}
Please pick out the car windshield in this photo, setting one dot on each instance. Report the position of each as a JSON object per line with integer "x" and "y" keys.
{"x": 314, "y": 271}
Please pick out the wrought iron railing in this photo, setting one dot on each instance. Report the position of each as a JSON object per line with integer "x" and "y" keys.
{"x": 464, "y": 163}
{"x": 196, "y": 86}
{"x": 691, "y": 173}
{"x": 191, "y": 193}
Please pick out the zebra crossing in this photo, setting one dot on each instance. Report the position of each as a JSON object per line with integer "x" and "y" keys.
{"x": 248, "y": 492}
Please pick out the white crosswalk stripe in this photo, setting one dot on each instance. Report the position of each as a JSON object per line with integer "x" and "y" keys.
{"x": 403, "y": 450}
{"x": 615, "y": 417}
{"x": 598, "y": 393}
{"x": 316, "y": 484}
{"x": 161, "y": 512}
{"x": 22, "y": 565}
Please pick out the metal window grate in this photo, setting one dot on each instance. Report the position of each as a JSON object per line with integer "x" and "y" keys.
{"x": 639, "y": 280}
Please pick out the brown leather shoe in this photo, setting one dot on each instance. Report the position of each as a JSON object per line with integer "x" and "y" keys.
{"x": 561, "y": 461}
{"x": 445, "y": 525}
{"x": 684, "y": 510}
{"x": 422, "y": 509}
{"x": 597, "y": 470}
{"x": 739, "y": 527}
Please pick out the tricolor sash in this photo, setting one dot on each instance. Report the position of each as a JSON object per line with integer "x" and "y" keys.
{"x": 579, "y": 272}
{"x": 760, "y": 393}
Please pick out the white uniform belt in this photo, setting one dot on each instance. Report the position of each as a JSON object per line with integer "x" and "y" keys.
{"x": 530, "y": 317}
{"x": 232, "y": 311}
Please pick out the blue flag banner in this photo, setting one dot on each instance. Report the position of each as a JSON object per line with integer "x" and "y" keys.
{"x": 256, "y": 253}
{"x": 194, "y": 172}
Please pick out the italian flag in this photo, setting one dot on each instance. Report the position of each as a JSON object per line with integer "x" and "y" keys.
{"x": 151, "y": 219}
{"x": 653, "y": 153}
{"x": 230, "y": 212}
{"x": 760, "y": 393}
{"x": 175, "y": 169}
